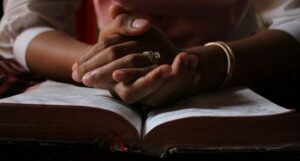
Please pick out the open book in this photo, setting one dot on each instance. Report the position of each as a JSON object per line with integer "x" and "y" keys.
{"x": 230, "y": 119}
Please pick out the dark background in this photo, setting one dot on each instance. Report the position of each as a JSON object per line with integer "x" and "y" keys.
{"x": 1, "y": 8}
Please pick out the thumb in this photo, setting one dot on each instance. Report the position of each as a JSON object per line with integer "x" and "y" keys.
{"x": 124, "y": 24}
{"x": 116, "y": 10}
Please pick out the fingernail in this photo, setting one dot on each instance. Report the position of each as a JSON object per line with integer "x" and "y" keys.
{"x": 86, "y": 79}
{"x": 166, "y": 72}
{"x": 139, "y": 23}
{"x": 74, "y": 66}
{"x": 75, "y": 76}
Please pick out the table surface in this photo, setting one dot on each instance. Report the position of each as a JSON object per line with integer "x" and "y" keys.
{"x": 49, "y": 152}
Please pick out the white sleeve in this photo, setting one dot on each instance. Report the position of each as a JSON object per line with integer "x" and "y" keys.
{"x": 291, "y": 27}
{"x": 22, "y": 42}
{"x": 22, "y": 15}
{"x": 284, "y": 15}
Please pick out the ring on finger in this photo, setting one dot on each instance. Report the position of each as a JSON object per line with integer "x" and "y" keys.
{"x": 153, "y": 56}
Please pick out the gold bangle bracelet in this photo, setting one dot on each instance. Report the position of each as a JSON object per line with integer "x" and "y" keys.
{"x": 230, "y": 60}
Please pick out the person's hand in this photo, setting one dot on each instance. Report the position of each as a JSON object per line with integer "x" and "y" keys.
{"x": 162, "y": 85}
{"x": 111, "y": 45}
{"x": 93, "y": 68}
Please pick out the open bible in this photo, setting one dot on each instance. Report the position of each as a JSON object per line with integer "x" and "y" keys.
{"x": 227, "y": 120}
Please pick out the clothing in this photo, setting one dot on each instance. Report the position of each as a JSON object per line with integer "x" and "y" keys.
{"x": 190, "y": 23}
{"x": 25, "y": 14}
{"x": 187, "y": 24}
{"x": 281, "y": 15}
{"x": 19, "y": 16}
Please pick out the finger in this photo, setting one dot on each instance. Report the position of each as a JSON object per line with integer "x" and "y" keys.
{"x": 101, "y": 45}
{"x": 131, "y": 74}
{"x": 183, "y": 71}
{"x": 111, "y": 54}
{"x": 104, "y": 74}
{"x": 180, "y": 63}
{"x": 131, "y": 93}
{"x": 126, "y": 25}
{"x": 170, "y": 89}
{"x": 194, "y": 61}
{"x": 162, "y": 95}
{"x": 178, "y": 82}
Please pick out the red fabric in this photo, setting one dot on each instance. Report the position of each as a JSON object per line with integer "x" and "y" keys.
{"x": 187, "y": 24}
{"x": 85, "y": 23}
{"x": 13, "y": 78}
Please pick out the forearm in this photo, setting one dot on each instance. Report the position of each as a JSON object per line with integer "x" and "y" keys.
{"x": 259, "y": 58}
{"x": 265, "y": 56}
{"x": 52, "y": 54}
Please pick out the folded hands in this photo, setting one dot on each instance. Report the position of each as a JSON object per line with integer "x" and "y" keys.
{"x": 116, "y": 63}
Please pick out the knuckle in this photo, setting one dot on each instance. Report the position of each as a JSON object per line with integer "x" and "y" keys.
{"x": 91, "y": 79}
{"x": 82, "y": 69}
{"x": 132, "y": 60}
{"x": 109, "y": 40}
{"x": 101, "y": 44}
{"x": 95, "y": 80}
{"x": 113, "y": 52}
{"x": 83, "y": 59}
{"x": 113, "y": 39}
{"x": 134, "y": 44}
{"x": 177, "y": 73}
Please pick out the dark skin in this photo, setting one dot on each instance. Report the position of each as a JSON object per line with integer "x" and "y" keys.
{"x": 97, "y": 61}
{"x": 259, "y": 58}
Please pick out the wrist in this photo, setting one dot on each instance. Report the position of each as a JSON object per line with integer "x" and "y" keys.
{"x": 212, "y": 67}
{"x": 230, "y": 61}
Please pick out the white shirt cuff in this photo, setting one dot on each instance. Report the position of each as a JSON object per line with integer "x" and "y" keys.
{"x": 292, "y": 28}
{"x": 22, "y": 41}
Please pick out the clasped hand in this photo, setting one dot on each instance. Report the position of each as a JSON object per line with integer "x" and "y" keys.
{"x": 116, "y": 63}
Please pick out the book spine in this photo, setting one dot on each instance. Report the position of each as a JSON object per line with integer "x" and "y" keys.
{"x": 118, "y": 145}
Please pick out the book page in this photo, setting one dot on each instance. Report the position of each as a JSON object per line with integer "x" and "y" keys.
{"x": 55, "y": 93}
{"x": 238, "y": 102}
